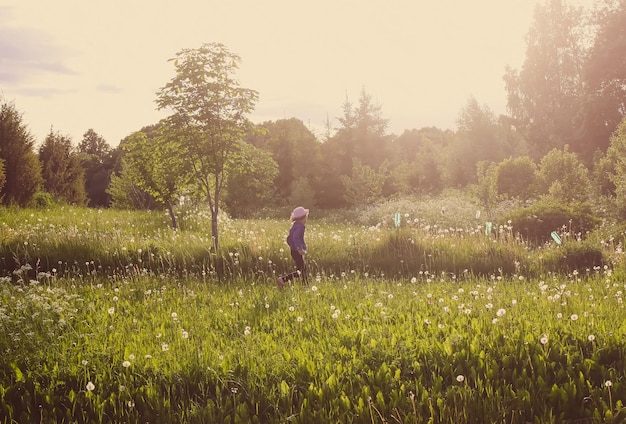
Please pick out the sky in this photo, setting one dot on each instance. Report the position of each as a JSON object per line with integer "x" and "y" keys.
{"x": 73, "y": 65}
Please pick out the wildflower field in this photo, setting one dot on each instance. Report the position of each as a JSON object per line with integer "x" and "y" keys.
{"x": 111, "y": 317}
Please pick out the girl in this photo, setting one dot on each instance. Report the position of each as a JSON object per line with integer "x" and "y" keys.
{"x": 296, "y": 243}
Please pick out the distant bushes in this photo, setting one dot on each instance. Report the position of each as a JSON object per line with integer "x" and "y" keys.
{"x": 535, "y": 223}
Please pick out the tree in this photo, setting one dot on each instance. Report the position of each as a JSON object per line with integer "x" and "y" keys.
{"x": 125, "y": 194}
{"x": 564, "y": 176}
{"x": 22, "y": 168}
{"x": 610, "y": 170}
{"x": 98, "y": 161}
{"x": 516, "y": 178}
{"x": 94, "y": 144}
{"x": 544, "y": 97}
{"x": 477, "y": 140}
{"x": 485, "y": 187}
{"x": 604, "y": 74}
{"x": 364, "y": 185}
{"x": 294, "y": 148}
{"x": 252, "y": 172}
{"x": 63, "y": 175}
{"x": 210, "y": 109}
{"x": 361, "y": 136}
{"x": 156, "y": 166}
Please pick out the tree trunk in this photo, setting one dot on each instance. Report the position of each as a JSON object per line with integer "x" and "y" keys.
{"x": 170, "y": 210}
{"x": 214, "y": 233}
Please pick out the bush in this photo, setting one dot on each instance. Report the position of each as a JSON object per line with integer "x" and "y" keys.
{"x": 42, "y": 200}
{"x": 536, "y": 222}
{"x": 574, "y": 256}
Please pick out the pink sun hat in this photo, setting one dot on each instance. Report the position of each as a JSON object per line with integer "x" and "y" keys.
{"x": 298, "y": 213}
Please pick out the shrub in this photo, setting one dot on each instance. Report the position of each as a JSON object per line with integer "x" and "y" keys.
{"x": 536, "y": 222}
{"x": 574, "y": 256}
{"x": 42, "y": 200}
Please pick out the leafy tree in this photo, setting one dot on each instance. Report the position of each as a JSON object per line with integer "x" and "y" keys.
{"x": 294, "y": 148}
{"x": 604, "y": 74}
{"x": 485, "y": 188}
{"x": 302, "y": 192}
{"x": 361, "y": 136}
{"x": 544, "y": 97}
{"x": 63, "y": 175}
{"x": 21, "y": 165}
{"x": 364, "y": 186}
{"x": 125, "y": 194}
{"x": 564, "y": 176}
{"x": 210, "y": 109}
{"x": 416, "y": 161}
{"x": 156, "y": 166}
{"x": 610, "y": 170}
{"x": 516, "y": 178}
{"x": 98, "y": 161}
{"x": 250, "y": 175}
{"x": 477, "y": 140}
{"x": 94, "y": 144}
{"x": 425, "y": 173}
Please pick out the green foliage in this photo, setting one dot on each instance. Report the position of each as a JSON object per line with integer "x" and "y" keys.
{"x": 249, "y": 180}
{"x": 361, "y": 137}
{"x": 545, "y": 95}
{"x": 612, "y": 170}
{"x": 158, "y": 166}
{"x": 98, "y": 160}
{"x": 209, "y": 109}
{"x": 21, "y": 165}
{"x": 302, "y": 192}
{"x": 364, "y": 185}
{"x": 535, "y": 223}
{"x": 564, "y": 177}
{"x": 63, "y": 175}
{"x": 604, "y": 76}
{"x": 516, "y": 178}
{"x": 125, "y": 194}
{"x": 485, "y": 189}
{"x": 42, "y": 200}
{"x": 575, "y": 256}
{"x": 296, "y": 152}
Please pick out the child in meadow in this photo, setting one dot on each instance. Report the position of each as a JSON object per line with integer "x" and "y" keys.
{"x": 296, "y": 243}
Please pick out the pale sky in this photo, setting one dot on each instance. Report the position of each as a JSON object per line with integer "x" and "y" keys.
{"x": 72, "y": 65}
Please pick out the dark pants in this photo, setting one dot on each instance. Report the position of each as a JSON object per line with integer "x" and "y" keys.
{"x": 300, "y": 266}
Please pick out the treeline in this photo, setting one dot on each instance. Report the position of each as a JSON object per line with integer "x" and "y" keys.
{"x": 561, "y": 138}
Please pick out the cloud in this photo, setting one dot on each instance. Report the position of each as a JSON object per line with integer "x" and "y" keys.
{"x": 42, "y": 92}
{"x": 27, "y": 53}
{"x": 109, "y": 88}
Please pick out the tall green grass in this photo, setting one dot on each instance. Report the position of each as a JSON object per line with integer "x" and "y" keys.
{"x": 348, "y": 349}
{"x": 84, "y": 243}
{"x": 111, "y": 316}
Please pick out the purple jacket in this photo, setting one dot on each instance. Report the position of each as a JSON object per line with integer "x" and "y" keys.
{"x": 295, "y": 239}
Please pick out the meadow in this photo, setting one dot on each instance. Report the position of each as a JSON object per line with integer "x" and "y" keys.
{"x": 110, "y": 316}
